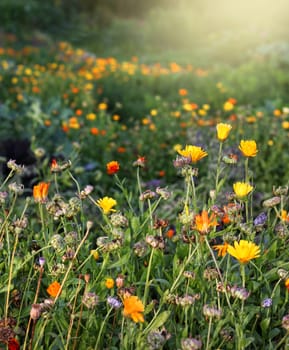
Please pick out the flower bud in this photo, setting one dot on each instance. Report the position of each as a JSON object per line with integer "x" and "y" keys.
{"x": 271, "y": 202}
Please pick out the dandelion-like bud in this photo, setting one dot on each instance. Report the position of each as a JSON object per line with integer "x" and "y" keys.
{"x": 163, "y": 192}
{"x": 11, "y": 164}
{"x": 211, "y": 311}
{"x": 239, "y": 293}
{"x": 16, "y": 188}
{"x": 140, "y": 248}
{"x": 271, "y": 202}
{"x": 90, "y": 300}
{"x": 191, "y": 344}
{"x": 35, "y": 311}
{"x": 39, "y": 152}
{"x": 285, "y": 322}
{"x": 118, "y": 220}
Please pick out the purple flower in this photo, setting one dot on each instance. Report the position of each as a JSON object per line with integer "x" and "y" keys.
{"x": 114, "y": 302}
{"x": 266, "y": 302}
{"x": 260, "y": 219}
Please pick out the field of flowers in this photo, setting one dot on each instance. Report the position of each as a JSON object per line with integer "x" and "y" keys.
{"x": 143, "y": 205}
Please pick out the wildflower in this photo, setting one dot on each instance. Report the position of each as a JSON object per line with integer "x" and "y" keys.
{"x": 195, "y": 153}
{"x": 223, "y": 131}
{"x": 271, "y": 202}
{"x": 266, "y": 303}
{"x": 133, "y": 308}
{"x": 242, "y": 189}
{"x": 16, "y": 188}
{"x": 112, "y": 167}
{"x": 118, "y": 220}
{"x": 221, "y": 248}
{"x": 35, "y": 311}
{"x": 13, "y": 344}
{"x": 248, "y": 148}
{"x": 106, "y": 204}
{"x": 239, "y": 293}
{"x": 203, "y": 222}
{"x": 285, "y": 322}
{"x": 53, "y": 289}
{"x": 113, "y": 302}
{"x": 90, "y": 300}
{"x": 284, "y": 216}
{"x": 109, "y": 283}
{"x": 11, "y": 164}
{"x": 228, "y": 106}
{"x": 40, "y": 192}
{"x": 210, "y": 311}
{"x": 119, "y": 281}
{"x": 210, "y": 273}
{"x": 140, "y": 162}
{"x": 244, "y": 251}
{"x": 260, "y": 220}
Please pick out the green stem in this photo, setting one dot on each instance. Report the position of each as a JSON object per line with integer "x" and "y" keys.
{"x": 101, "y": 328}
{"x": 218, "y": 172}
{"x": 148, "y": 276}
{"x": 209, "y": 333}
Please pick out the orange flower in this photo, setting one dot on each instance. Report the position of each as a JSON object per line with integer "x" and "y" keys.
{"x": 133, "y": 308}
{"x": 203, "y": 222}
{"x": 287, "y": 284}
{"x": 221, "y": 248}
{"x": 40, "y": 192}
{"x": 53, "y": 289}
{"x": 183, "y": 92}
{"x": 112, "y": 167}
{"x": 13, "y": 344}
{"x": 94, "y": 131}
{"x": 109, "y": 283}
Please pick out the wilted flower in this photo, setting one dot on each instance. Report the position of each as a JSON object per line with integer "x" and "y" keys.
{"x": 53, "y": 289}
{"x": 210, "y": 273}
{"x": 248, "y": 148}
{"x": 16, "y": 188}
{"x": 211, "y": 311}
{"x": 242, "y": 189}
{"x": 133, "y": 308}
{"x": 285, "y": 322}
{"x": 244, "y": 251}
{"x": 90, "y": 300}
{"x": 35, "y": 311}
{"x": 195, "y": 153}
{"x": 140, "y": 248}
{"x": 191, "y": 344}
{"x": 86, "y": 191}
{"x": 221, "y": 248}
{"x": 40, "y": 192}
{"x": 203, "y": 223}
{"x": 112, "y": 167}
{"x": 118, "y": 220}
{"x": 271, "y": 202}
{"x": 106, "y": 204}
{"x": 223, "y": 131}
{"x": 148, "y": 194}
{"x": 163, "y": 192}
{"x": 11, "y": 164}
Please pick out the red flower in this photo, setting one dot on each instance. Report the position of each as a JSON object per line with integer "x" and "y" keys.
{"x": 112, "y": 167}
{"x": 13, "y": 344}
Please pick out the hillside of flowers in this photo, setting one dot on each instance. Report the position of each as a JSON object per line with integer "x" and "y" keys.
{"x": 143, "y": 205}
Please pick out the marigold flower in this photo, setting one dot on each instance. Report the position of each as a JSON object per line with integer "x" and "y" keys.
{"x": 194, "y": 152}
{"x": 287, "y": 284}
{"x": 221, "y": 248}
{"x": 284, "y": 216}
{"x": 112, "y": 167}
{"x": 248, "y": 148}
{"x": 203, "y": 222}
{"x": 133, "y": 308}
{"x": 106, "y": 204}
{"x": 53, "y": 289}
{"x": 40, "y": 192}
{"x": 242, "y": 189}
{"x": 223, "y": 131}
{"x": 244, "y": 251}
{"x": 109, "y": 283}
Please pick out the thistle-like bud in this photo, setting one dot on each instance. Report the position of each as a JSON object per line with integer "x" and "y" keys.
{"x": 140, "y": 248}
{"x": 90, "y": 300}
{"x": 163, "y": 192}
{"x": 212, "y": 312}
{"x": 271, "y": 202}
{"x": 118, "y": 220}
{"x": 239, "y": 293}
{"x": 148, "y": 194}
{"x": 57, "y": 242}
{"x": 191, "y": 344}
{"x": 210, "y": 273}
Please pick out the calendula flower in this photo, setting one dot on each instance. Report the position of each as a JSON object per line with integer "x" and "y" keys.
{"x": 53, "y": 289}
{"x": 223, "y": 131}
{"x": 40, "y": 192}
{"x": 221, "y": 248}
{"x": 195, "y": 153}
{"x": 244, "y": 251}
{"x": 112, "y": 167}
{"x": 133, "y": 308}
{"x": 242, "y": 189}
{"x": 248, "y": 148}
{"x": 106, "y": 204}
{"x": 203, "y": 222}
{"x": 287, "y": 284}
{"x": 109, "y": 283}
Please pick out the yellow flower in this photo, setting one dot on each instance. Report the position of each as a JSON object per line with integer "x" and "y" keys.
{"x": 285, "y": 124}
{"x": 106, "y": 204}
{"x": 133, "y": 308}
{"x": 248, "y": 148}
{"x": 244, "y": 251}
{"x": 194, "y": 152}
{"x": 228, "y": 106}
{"x": 109, "y": 283}
{"x": 242, "y": 189}
{"x": 203, "y": 222}
{"x": 221, "y": 248}
{"x": 91, "y": 116}
{"x": 223, "y": 131}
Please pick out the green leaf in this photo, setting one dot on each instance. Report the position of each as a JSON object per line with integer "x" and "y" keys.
{"x": 265, "y": 324}
{"x": 160, "y": 320}
{"x": 122, "y": 261}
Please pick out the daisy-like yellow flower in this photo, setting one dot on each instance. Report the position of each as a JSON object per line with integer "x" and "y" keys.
{"x": 221, "y": 248}
{"x": 109, "y": 283}
{"x": 106, "y": 204}
{"x": 133, "y": 308}
{"x": 194, "y": 152}
{"x": 242, "y": 189}
{"x": 203, "y": 222}
{"x": 244, "y": 251}
{"x": 223, "y": 131}
{"x": 248, "y": 148}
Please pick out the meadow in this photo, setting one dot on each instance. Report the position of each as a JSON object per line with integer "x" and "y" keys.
{"x": 143, "y": 199}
